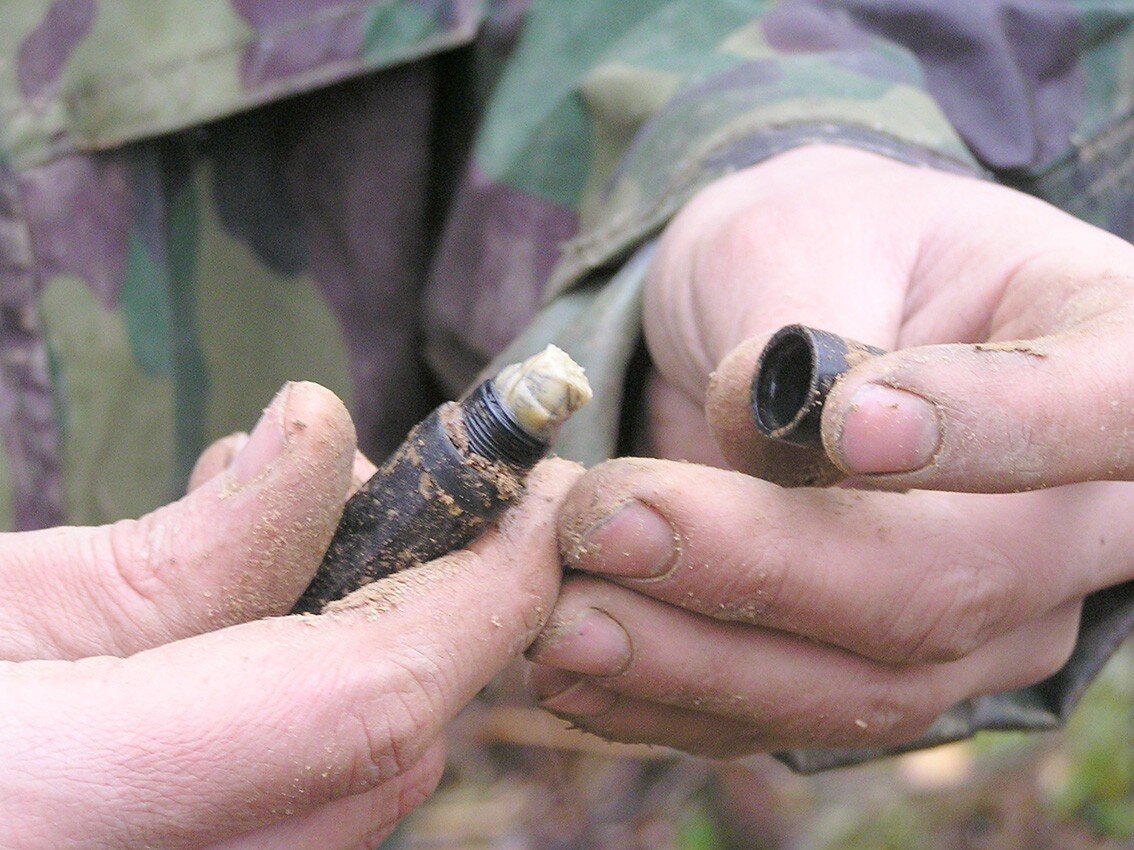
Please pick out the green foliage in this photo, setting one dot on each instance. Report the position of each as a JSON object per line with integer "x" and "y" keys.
{"x": 699, "y": 831}
{"x": 1098, "y": 786}
{"x": 896, "y": 826}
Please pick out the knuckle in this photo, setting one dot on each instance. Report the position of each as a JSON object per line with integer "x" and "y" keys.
{"x": 389, "y": 810}
{"x": 134, "y": 557}
{"x": 893, "y": 709}
{"x": 379, "y": 739}
{"x": 391, "y": 716}
{"x": 757, "y": 590}
{"x": 955, "y": 611}
{"x": 415, "y": 792}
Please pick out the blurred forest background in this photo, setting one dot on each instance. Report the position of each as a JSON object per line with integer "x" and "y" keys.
{"x": 520, "y": 780}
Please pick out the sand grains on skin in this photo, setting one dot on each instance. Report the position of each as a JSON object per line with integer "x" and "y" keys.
{"x": 386, "y": 594}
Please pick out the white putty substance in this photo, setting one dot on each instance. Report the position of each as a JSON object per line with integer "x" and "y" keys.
{"x": 544, "y": 390}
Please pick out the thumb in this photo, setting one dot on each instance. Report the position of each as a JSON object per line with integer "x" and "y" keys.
{"x": 990, "y": 417}
{"x": 242, "y": 545}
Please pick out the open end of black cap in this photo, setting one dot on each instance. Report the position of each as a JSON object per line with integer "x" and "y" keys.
{"x": 794, "y": 374}
{"x": 785, "y": 381}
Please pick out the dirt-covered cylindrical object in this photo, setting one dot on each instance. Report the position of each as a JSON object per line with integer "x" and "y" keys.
{"x": 433, "y": 495}
{"x": 458, "y": 470}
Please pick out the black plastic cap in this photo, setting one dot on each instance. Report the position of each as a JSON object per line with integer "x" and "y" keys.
{"x": 794, "y": 374}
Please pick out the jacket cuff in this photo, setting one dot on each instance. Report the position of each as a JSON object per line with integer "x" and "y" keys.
{"x": 595, "y": 312}
{"x": 723, "y": 124}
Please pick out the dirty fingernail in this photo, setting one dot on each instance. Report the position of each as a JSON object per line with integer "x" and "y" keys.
{"x": 581, "y": 700}
{"x": 568, "y": 693}
{"x": 887, "y": 430}
{"x": 633, "y": 541}
{"x": 266, "y": 441}
{"x": 545, "y": 682}
{"x": 594, "y": 643}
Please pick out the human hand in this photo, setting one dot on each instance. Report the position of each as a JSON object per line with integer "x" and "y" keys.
{"x": 721, "y": 614}
{"x": 296, "y": 731}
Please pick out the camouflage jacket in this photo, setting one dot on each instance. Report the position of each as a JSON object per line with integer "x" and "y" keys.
{"x": 202, "y": 198}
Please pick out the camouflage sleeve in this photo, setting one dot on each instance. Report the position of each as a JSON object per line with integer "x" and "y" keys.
{"x": 84, "y": 75}
{"x": 779, "y": 76}
{"x": 1031, "y": 94}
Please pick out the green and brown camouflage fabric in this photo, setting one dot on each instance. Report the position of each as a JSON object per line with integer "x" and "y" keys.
{"x": 200, "y": 199}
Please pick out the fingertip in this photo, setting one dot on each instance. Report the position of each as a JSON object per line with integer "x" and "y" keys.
{"x": 728, "y": 407}
{"x": 544, "y": 681}
{"x": 261, "y": 525}
{"x": 317, "y": 458}
{"x": 526, "y": 542}
{"x": 597, "y": 494}
{"x": 971, "y": 417}
{"x": 303, "y": 420}
{"x": 315, "y": 412}
{"x": 550, "y": 486}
